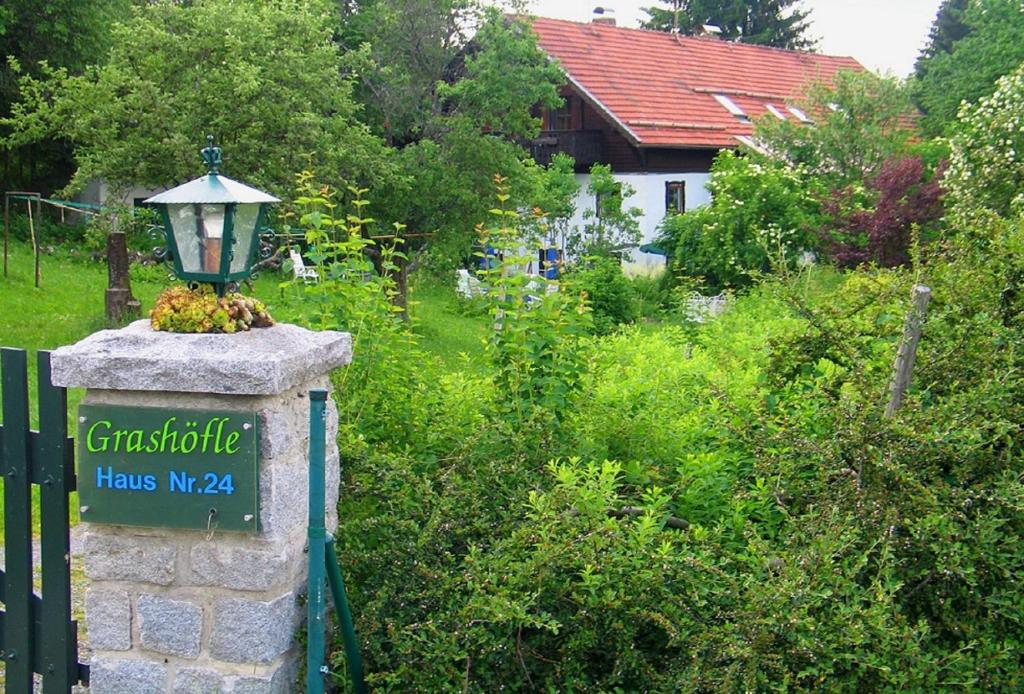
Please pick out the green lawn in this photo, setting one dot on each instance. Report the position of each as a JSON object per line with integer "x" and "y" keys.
{"x": 446, "y": 329}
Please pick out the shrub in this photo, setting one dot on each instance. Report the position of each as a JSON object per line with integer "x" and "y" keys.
{"x": 986, "y": 171}
{"x": 900, "y": 197}
{"x": 608, "y": 292}
{"x": 760, "y": 213}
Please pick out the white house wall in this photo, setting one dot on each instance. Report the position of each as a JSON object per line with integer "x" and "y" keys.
{"x": 649, "y": 196}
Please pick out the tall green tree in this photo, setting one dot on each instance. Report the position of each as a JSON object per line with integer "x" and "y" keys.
{"x": 861, "y": 120}
{"x": 69, "y": 34}
{"x": 263, "y": 77}
{"x": 992, "y": 46}
{"x": 454, "y": 109}
{"x": 950, "y": 26}
{"x": 399, "y": 51}
{"x": 779, "y": 23}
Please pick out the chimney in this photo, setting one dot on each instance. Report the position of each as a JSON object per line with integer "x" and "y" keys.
{"x": 710, "y": 31}
{"x": 600, "y": 18}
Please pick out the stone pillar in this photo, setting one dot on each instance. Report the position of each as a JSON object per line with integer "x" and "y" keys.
{"x": 186, "y": 610}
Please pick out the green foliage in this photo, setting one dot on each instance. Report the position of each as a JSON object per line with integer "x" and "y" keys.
{"x": 384, "y": 396}
{"x": 453, "y": 109}
{"x": 861, "y": 121}
{"x": 49, "y": 231}
{"x": 990, "y": 45}
{"x": 67, "y": 34}
{"x": 779, "y": 23}
{"x": 534, "y": 346}
{"x": 986, "y": 171}
{"x": 398, "y": 50}
{"x": 728, "y": 512}
{"x": 262, "y": 77}
{"x": 610, "y": 227}
{"x": 608, "y": 292}
{"x": 492, "y": 93}
{"x": 762, "y": 211}
{"x": 183, "y": 310}
{"x": 948, "y": 28}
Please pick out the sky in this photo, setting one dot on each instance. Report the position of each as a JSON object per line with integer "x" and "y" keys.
{"x": 884, "y": 35}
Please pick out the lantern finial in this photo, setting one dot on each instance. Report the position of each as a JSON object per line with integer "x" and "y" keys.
{"x": 212, "y": 156}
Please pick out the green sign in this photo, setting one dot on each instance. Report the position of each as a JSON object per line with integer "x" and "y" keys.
{"x": 168, "y": 468}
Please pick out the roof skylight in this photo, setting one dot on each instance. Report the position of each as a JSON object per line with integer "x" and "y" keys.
{"x": 774, "y": 110}
{"x": 799, "y": 114}
{"x": 730, "y": 106}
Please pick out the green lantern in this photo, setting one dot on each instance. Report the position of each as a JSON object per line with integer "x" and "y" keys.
{"x": 212, "y": 223}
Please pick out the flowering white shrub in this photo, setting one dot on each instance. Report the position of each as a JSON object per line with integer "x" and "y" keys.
{"x": 986, "y": 170}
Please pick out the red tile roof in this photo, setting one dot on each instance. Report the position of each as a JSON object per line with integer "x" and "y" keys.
{"x": 659, "y": 89}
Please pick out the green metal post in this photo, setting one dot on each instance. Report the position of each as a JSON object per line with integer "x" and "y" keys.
{"x": 316, "y": 535}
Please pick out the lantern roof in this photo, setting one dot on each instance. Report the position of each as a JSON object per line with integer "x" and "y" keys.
{"x": 212, "y": 188}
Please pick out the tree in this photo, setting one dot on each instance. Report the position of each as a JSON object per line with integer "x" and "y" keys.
{"x": 986, "y": 170}
{"x": 901, "y": 196}
{"x": 949, "y": 27}
{"x": 70, "y": 34}
{"x": 761, "y": 212}
{"x": 264, "y": 78}
{"x": 860, "y": 121}
{"x": 779, "y": 23}
{"x": 992, "y": 46}
{"x": 611, "y": 227}
{"x": 399, "y": 51}
{"x": 464, "y": 129}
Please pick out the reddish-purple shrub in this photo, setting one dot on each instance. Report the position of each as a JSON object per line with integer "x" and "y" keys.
{"x": 902, "y": 197}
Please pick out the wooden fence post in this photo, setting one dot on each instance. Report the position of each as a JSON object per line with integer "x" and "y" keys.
{"x": 119, "y": 300}
{"x": 907, "y": 352}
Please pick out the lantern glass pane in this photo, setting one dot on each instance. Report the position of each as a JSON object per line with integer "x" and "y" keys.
{"x": 198, "y": 231}
{"x": 246, "y": 216}
{"x": 186, "y": 241}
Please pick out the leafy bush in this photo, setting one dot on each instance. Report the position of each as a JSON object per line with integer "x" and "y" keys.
{"x": 760, "y": 213}
{"x": 986, "y": 171}
{"x": 48, "y": 231}
{"x": 899, "y": 198}
{"x": 608, "y": 292}
{"x": 610, "y": 227}
{"x": 717, "y": 508}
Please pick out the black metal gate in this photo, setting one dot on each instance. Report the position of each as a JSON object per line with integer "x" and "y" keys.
{"x": 37, "y": 634}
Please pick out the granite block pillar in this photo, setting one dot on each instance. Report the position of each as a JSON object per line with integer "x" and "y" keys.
{"x": 190, "y": 610}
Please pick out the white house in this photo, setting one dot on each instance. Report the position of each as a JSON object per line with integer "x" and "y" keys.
{"x": 657, "y": 107}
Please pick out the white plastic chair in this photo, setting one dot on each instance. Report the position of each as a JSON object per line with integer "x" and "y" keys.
{"x": 306, "y": 274}
{"x": 468, "y": 286}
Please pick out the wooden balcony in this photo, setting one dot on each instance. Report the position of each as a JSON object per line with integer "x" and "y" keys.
{"x": 582, "y": 145}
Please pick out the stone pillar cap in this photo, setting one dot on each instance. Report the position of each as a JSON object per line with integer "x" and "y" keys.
{"x": 262, "y": 361}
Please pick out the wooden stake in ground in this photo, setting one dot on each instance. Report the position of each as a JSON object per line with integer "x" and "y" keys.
{"x": 907, "y": 352}
{"x": 35, "y": 242}
{"x": 120, "y": 302}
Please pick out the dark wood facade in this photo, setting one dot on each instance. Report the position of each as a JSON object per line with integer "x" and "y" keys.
{"x": 582, "y": 132}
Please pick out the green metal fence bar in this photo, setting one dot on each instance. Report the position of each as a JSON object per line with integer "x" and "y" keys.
{"x": 14, "y": 455}
{"x": 341, "y": 606}
{"x": 56, "y": 478}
